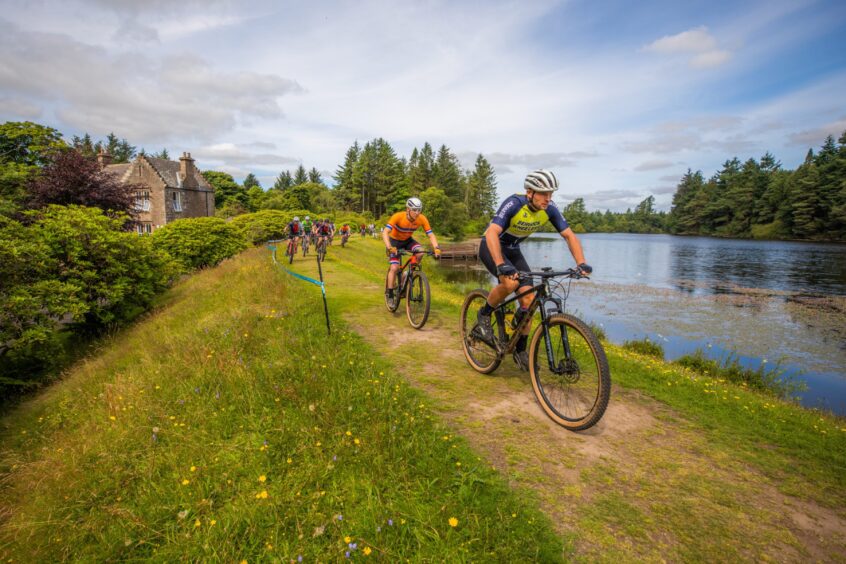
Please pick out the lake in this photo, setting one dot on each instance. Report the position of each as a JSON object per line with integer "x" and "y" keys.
{"x": 765, "y": 301}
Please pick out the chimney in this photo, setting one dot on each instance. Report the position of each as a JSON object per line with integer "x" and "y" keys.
{"x": 103, "y": 157}
{"x": 186, "y": 169}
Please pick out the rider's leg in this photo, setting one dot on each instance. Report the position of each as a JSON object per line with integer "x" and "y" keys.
{"x": 392, "y": 275}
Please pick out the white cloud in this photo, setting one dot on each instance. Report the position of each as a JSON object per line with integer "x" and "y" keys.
{"x": 18, "y": 108}
{"x": 697, "y": 42}
{"x": 653, "y": 165}
{"x": 144, "y": 99}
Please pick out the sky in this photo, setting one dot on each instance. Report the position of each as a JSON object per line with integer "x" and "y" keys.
{"x": 618, "y": 98}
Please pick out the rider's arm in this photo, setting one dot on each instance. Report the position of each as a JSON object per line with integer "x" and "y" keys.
{"x": 433, "y": 240}
{"x": 385, "y": 238}
{"x": 492, "y": 234}
{"x": 574, "y": 245}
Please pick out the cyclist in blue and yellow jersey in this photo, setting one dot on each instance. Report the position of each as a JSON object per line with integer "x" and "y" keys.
{"x": 397, "y": 235}
{"x": 518, "y": 217}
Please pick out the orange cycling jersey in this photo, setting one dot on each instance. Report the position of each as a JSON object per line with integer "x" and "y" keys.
{"x": 400, "y": 229}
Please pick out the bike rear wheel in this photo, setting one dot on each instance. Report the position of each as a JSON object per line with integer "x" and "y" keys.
{"x": 574, "y": 390}
{"x": 481, "y": 356}
{"x": 418, "y": 299}
{"x": 291, "y": 251}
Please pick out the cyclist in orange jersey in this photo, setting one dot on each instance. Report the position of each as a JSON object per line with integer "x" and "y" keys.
{"x": 397, "y": 235}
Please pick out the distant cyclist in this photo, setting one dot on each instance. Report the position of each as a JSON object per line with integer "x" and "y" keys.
{"x": 518, "y": 217}
{"x": 295, "y": 230}
{"x": 345, "y": 233}
{"x": 397, "y": 235}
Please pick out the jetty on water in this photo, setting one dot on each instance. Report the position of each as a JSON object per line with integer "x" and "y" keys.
{"x": 466, "y": 251}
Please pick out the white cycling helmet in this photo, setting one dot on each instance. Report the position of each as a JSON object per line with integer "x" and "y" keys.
{"x": 308, "y": 218}
{"x": 414, "y": 204}
{"x": 541, "y": 181}
{"x": 296, "y": 219}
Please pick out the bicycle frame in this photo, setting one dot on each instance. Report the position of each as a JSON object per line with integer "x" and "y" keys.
{"x": 542, "y": 296}
{"x": 413, "y": 264}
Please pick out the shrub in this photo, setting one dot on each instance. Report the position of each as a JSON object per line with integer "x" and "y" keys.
{"x": 771, "y": 380}
{"x": 266, "y": 225}
{"x": 118, "y": 272}
{"x": 70, "y": 268}
{"x": 200, "y": 242}
{"x": 645, "y": 346}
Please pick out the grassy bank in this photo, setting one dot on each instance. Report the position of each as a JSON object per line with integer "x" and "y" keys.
{"x": 683, "y": 466}
{"x": 228, "y": 426}
{"x": 804, "y": 448}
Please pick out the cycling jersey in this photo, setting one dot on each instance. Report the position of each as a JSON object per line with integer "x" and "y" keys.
{"x": 345, "y": 229}
{"x": 295, "y": 229}
{"x": 400, "y": 228}
{"x": 307, "y": 226}
{"x": 518, "y": 221}
{"x": 323, "y": 229}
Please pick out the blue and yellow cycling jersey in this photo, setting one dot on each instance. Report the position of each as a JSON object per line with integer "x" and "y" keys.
{"x": 518, "y": 221}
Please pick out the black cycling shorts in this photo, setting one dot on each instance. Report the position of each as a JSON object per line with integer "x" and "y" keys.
{"x": 408, "y": 245}
{"x": 511, "y": 255}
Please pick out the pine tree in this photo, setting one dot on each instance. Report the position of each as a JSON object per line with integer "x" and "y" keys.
{"x": 300, "y": 176}
{"x": 251, "y": 181}
{"x": 283, "y": 181}
{"x": 447, "y": 174}
{"x": 344, "y": 192}
{"x": 314, "y": 176}
{"x": 480, "y": 195}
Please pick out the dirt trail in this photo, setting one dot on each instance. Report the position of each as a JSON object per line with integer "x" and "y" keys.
{"x": 643, "y": 483}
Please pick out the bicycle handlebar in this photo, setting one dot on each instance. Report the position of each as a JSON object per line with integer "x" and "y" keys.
{"x": 549, "y": 273}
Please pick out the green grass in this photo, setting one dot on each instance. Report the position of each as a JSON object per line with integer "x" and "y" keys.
{"x": 645, "y": 347}
{"x": 228, "y": 426}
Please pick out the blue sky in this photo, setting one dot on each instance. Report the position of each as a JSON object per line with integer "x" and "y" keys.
{"x": 618, "y": 98}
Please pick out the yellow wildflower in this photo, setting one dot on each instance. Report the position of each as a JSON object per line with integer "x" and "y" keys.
{"x": 197, "y": 523}
{"x": 347, "y": 540}
{"x": 186, "y": 482}
{"x": 262, "y": 478}
{"x": 453, "y": 522}
{"x": 367, "y": 551}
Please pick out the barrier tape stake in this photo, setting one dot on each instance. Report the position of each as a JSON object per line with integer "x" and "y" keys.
{"x": 323, "y": 287}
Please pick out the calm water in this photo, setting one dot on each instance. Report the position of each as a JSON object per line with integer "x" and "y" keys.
{"x": 763, "y": 300}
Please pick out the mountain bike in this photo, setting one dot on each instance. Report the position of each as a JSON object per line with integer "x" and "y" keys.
{"x": 291, "y": 250}
{"x": 321, "y": 249}
{"x": 567, "y": 364}
{"x": 305, "y": 244}
{"x": 344, "y": 238}
{"x": 414, "y": 286}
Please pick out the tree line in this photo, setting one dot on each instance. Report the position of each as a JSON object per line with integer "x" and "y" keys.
{"x": 760, "y": 199}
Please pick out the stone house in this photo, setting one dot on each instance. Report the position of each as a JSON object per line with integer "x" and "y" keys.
{"x": 171, "y": 190}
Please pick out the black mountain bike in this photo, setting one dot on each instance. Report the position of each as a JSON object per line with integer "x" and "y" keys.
{"x": 344, "y": 238}
{"x": 413, "y": 285}
{"x": 321, "y": 249}
{"x": 305, "y": 244}
{"x": 567, "y": 364}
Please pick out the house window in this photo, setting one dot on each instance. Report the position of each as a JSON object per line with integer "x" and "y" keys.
{"x": 142, "y": 201}
{"x": 177, "y": 201}
{"x": 144, "y": 228}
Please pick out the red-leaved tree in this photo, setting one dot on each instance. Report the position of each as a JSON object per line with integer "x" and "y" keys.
{"x": 70, "y": 178}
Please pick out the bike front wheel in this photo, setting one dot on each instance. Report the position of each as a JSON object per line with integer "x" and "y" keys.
{"x": 392, "y": 304}
{"x": 481, "y": 356}
{"x": 569, "y": 372}
{"x": 418, "y": 299}
{"x": 291, "y": 252}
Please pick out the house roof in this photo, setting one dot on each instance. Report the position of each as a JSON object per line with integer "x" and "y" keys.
{"x": 167, "y": 170}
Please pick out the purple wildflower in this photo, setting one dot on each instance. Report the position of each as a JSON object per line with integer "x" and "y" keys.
{"x": 300, "y": 558}
{"x": 391, "y": 522}
{"x": 347, "y": 554}
{"x": 334, "y": 457}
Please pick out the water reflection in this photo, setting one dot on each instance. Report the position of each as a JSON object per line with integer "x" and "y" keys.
{"x": 758, "y": 299}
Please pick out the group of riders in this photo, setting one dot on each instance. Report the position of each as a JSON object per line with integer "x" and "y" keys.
{"x": 518, "y": 217}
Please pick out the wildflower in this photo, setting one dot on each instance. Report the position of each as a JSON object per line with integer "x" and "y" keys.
{"x": 182, "y": 514}
{"x": 390, "y": 522}
{"x": 453, "y": 522}
{"x": 367, "y": 551}
{"x": 193, "y": 469}
{"x": 213, "y": 522}
{"x": 347, "y": 540}
{"x": 353, "y": 545}
{"x": 197, "y": 523}
{"x": 112, "y": 417}
{"x": 357, "y": 441}
{"x": 262, "y": 495}
{"x": 349, "y": 434}
{"x": 347, "y": 554}
{"x": 262, "y": 478}
{"x": 289, "y": 461}
{"x": 186, "y": 482}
